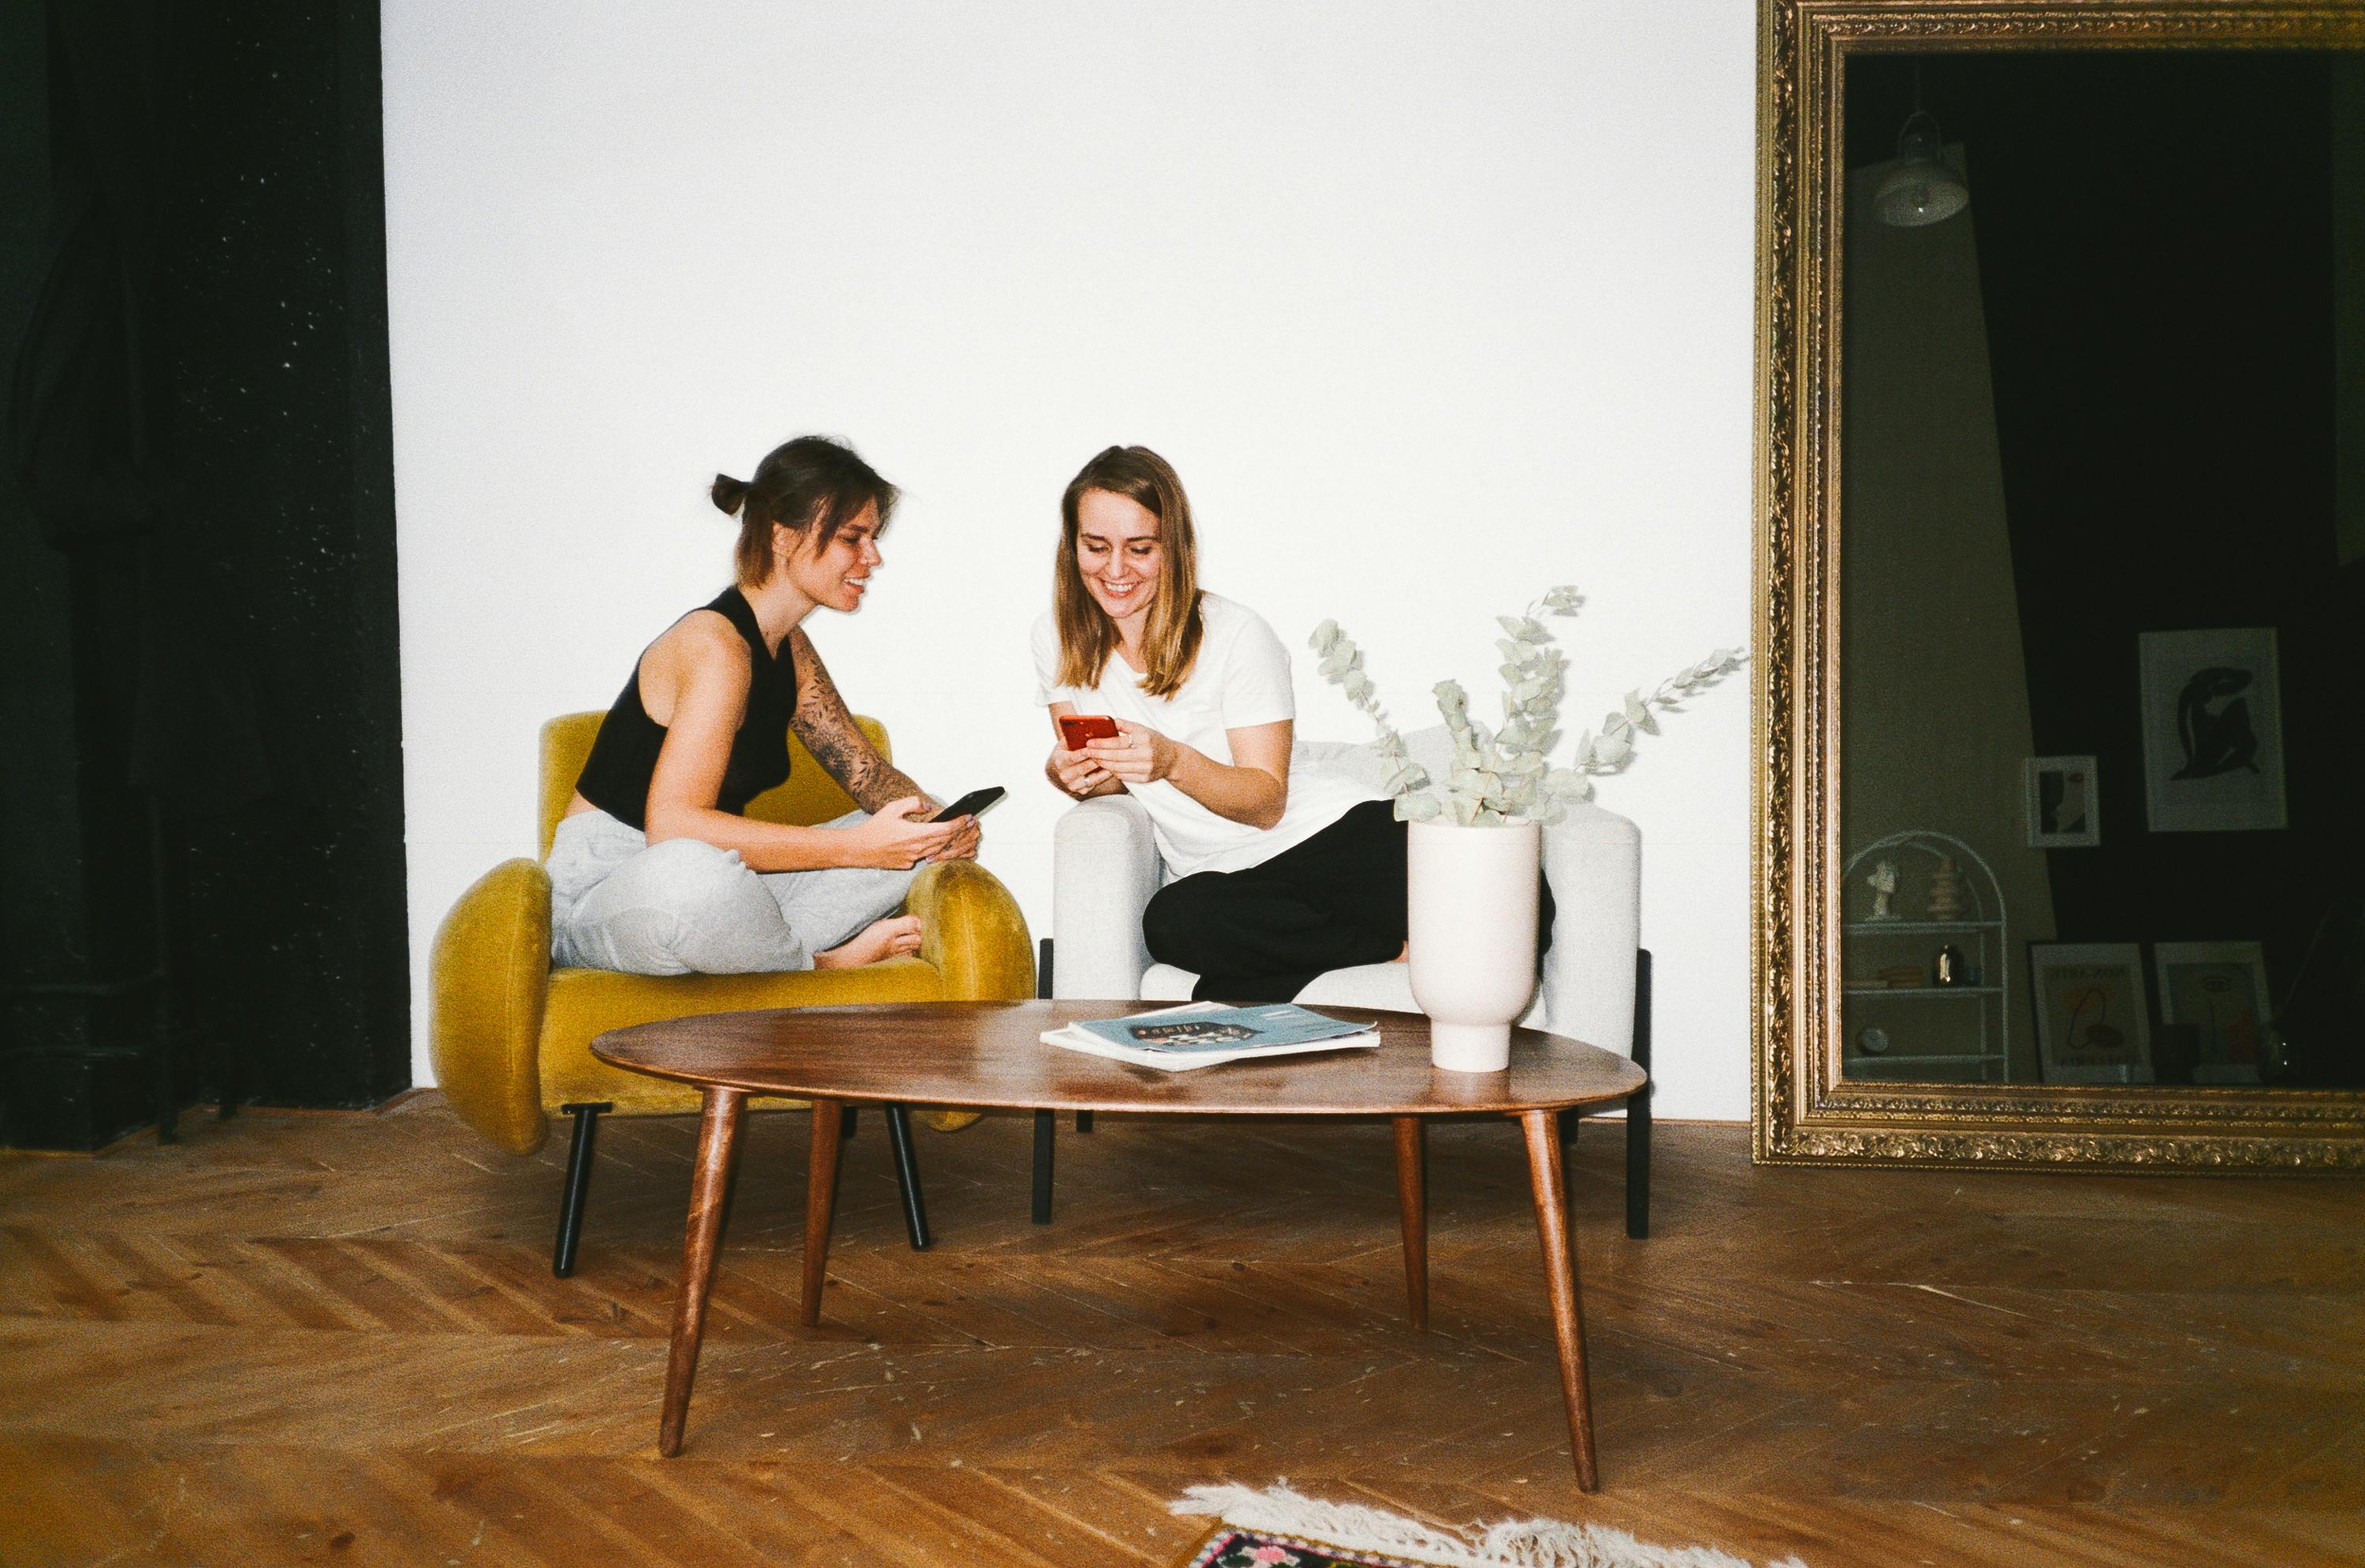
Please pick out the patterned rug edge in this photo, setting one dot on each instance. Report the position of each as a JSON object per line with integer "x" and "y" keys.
{"x": 1247, "y": 1546}
{"x": 1391, "y": 1540}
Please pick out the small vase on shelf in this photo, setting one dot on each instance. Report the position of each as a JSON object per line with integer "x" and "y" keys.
{"x": 1947, "y": 890}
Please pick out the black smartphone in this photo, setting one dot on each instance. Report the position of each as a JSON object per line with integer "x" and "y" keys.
{"x": 969, "y": 805}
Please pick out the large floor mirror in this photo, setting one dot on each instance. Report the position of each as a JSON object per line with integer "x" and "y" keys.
{"x": 2061, "y": 579}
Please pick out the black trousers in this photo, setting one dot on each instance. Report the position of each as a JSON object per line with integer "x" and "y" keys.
{"x": 1263, "y": 933}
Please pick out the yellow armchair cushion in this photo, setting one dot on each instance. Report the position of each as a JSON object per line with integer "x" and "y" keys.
{"x": 585, "y": 1003}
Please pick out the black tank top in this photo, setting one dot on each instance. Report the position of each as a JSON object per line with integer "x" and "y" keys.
{"x": 616, "y": 776}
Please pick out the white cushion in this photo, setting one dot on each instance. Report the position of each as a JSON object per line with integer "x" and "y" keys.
{"x": 1164, "y": 982}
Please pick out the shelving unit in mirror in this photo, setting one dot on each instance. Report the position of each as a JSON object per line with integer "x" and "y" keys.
{"x": 1925, "y": 1000}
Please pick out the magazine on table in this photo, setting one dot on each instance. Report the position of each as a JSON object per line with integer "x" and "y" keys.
{"x": 1200, "y": 1034}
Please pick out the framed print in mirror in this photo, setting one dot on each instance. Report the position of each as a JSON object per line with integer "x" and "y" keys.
{"x": 2213, "y": 730}
{"x": 2217, "y": 992}
{"x": 2014, "y": 417}
{"x": 2092, "y": 1023}
{"x": 2062, "y": 801}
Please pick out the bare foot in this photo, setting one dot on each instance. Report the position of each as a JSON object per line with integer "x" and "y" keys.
{"x": 887, "y": 938}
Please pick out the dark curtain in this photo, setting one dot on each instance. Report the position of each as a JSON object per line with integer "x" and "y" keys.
{"x": 86, "y": 421}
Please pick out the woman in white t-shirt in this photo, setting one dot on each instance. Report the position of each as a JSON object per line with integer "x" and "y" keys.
{"x": 1282, "y": 868}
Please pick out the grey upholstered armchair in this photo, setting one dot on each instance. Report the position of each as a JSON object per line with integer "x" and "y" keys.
{"x": 1593, "y": 984}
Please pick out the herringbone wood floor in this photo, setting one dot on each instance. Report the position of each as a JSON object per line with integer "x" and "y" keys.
{"x": 336, "y": 1338}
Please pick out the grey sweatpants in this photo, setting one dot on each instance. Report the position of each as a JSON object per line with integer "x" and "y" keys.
{"x": 686, "y": 907}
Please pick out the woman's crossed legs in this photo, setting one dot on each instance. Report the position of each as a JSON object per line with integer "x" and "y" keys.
{"x": 687, "y": 907}
{"x": 1263, "y": 934}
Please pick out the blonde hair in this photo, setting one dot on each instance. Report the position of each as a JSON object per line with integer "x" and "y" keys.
{"x": 1170, "y": 638}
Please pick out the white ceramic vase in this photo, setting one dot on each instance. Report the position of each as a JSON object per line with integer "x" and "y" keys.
{"x": 1470, "y": 903}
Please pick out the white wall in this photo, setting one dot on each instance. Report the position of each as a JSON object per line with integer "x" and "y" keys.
{"x": 1431, "y": 306}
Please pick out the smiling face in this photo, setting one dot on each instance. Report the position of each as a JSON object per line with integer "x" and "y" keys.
{"x": 1120, "y": 556}
{"x": 836, "y": 574}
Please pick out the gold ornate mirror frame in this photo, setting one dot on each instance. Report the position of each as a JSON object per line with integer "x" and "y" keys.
{"x": 1804, "y": 1112}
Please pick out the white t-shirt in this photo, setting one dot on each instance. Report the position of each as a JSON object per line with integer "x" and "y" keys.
{"x": 1239, "y": 679}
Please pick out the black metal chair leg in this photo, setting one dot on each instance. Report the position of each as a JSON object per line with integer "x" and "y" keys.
{"x": 907, "y": 1175}
{"x": 579, "y": 1183}
{"x": 1046, "y": 1128}
{"x": 1638, "y": 1109}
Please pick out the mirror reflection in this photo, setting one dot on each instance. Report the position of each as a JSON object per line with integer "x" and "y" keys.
{"x": 2101, "y": 583}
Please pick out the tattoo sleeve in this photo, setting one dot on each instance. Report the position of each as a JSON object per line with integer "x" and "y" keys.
{"x": 837, "y": 742}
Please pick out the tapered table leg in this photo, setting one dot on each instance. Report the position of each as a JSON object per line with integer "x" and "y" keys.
{"x": 821, "y": 1204}
{"x": 1560, "y": 1279}
{"x": 1412, "y": 1204}
{"x": 718, "y": 1141}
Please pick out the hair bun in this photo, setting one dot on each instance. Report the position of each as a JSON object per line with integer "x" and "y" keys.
{"x": 728, "y": 494}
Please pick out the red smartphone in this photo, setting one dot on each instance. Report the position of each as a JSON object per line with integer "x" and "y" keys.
{"x": 1077, "y": 728}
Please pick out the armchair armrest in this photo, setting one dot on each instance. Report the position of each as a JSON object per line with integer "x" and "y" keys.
{"x": 972, "y": 930}
{"x": 489, "y": 980}
{"x": 1104, "y": 869}
{"x": 1593, "y": 860}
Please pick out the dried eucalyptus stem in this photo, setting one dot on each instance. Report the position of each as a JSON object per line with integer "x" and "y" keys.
{"x": 1500, "y": 775}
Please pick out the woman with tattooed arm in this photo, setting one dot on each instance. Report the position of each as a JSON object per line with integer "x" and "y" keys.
{"x": 655, "y": 869}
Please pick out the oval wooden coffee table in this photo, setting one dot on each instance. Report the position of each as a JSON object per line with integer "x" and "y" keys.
{"x": 986, "y": 1055}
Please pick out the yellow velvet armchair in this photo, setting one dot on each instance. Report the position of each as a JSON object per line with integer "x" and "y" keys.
{"x": 510, "y": 1036}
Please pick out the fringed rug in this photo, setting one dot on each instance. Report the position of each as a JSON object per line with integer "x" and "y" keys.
{"x": 1279, "y": 1527}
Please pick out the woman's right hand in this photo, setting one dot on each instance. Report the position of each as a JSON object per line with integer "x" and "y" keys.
{"x": 1077, "y": 774}
{"x": 898, "y": 836}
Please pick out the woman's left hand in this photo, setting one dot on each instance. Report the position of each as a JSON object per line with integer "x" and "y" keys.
{"x": 964, "y": 842}
{"x": 962, "y": 845}
{"x": 1138, "y": 756}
